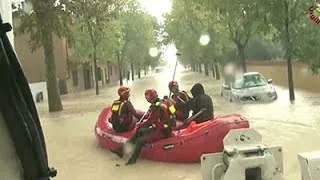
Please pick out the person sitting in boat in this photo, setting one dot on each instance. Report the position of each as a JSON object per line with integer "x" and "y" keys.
{"x": 158, "y": 124}
{"x": 179, "y": 96}
{"x": 199, "y": 101}
{"x": 123, "y": 112}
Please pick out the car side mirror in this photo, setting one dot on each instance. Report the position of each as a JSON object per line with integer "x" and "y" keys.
{"x": 226, "y": 87}
{"x": 270, "y": 81}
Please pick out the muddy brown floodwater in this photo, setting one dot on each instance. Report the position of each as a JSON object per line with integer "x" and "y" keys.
{"x": 74, "y": 151}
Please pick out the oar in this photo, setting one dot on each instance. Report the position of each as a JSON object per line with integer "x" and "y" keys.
{"x": 175, "y": 69}
{"x": 180, "y": 99}
{"x": 190, "y": 119}
{"x": 142, "y": 118}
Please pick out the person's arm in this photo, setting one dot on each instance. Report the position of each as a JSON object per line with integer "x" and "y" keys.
{"x": 184, "y": 96}
{"x": 146, "y": 121}
{"x": 190, "y": 104}
{"x": 133, "y": 111}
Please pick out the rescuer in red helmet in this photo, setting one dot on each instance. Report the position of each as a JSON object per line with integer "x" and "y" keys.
{"x": 123, "y": 112}
{"x": 179, "y": 97}
{"x": 158, "y": 125}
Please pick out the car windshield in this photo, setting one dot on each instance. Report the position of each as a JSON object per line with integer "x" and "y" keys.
{"x": 247, "y": 81}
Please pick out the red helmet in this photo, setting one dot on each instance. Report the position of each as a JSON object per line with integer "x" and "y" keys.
{"x": 151, "y": 95}
{"x": 123, "y": 91}
{"x": 173, "y": 84}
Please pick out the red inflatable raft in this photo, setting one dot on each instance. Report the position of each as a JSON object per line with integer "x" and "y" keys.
{"x": 186, "y": 145}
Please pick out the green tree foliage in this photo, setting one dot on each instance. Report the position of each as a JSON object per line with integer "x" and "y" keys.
{"x": 257, "y": 30}
{"x": 262, "y": 49}
{"x": 93, "y": 20}
{"x": 308, "y": 52}
{"x": 139, "y": 36}
{"x": 241, "y": 19}
{"x": 287, "y": 18}
{"x": 42, "y": 20}
{"x": 124, "y": 34}
{"x": 188, "y": 21}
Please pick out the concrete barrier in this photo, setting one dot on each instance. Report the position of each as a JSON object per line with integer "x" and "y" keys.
{"x": 39, "y": 87}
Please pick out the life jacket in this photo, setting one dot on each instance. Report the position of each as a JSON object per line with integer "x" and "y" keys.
{"x": 181, "y": 113}
{"x": 117, "y": 107}
{"x": 118, "y": 115}
{"x": 166, "y": 114}
{"x": 185, "y": 94}
{"x": 182, "y": 95}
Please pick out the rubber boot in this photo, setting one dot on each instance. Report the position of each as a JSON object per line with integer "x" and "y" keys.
{"x": 136, "y": 153}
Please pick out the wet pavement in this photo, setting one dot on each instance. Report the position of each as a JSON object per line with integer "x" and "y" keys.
{"x": 74, "y": 151}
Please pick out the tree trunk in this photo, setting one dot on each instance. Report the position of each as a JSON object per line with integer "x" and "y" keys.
{"x": 132, "y": 71}
{"x": 68, "y": 60}
{"x": 95, "y": 69}
{"x": 108, "y": 73}
{"x": 128, "y": 76}
{"x": 54, "y": 100}
{"x": 213, "y": 70}
{"x": 288, "y": 53}
{"x": 139, "y": 71}
{"x": 124, "y": 72}
{"x": 290, "y": 79}
{"x": 216, "y": 67}
{"x": 241, "y": 51}
{"x": 145, "y": 71}
{"x": 206, "y": 69}
{"x": 193, "y": 67}
{"x": 119, "y": 69}
{"x": 200, "y": 68}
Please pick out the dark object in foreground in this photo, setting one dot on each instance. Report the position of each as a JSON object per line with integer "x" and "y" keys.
{"x": 20, "y": 113}
{"x": 199, "y": 102}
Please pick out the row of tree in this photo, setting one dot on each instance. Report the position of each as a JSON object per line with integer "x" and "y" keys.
{"x": 118, "y": 31}
{"x": 237, "y": 29}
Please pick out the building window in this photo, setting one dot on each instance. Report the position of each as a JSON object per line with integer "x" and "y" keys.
{"x": 75, "y": 80}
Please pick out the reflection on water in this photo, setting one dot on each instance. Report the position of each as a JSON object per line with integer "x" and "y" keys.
{"x": 74, "y": 150}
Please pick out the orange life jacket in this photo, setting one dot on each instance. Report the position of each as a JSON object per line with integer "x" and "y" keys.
{"x": 166, "y": 119}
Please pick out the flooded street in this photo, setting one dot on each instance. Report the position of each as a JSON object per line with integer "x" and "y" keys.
{"x": 74, "y": 151}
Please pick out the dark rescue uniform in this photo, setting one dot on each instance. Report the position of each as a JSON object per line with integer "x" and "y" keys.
{"x": 122, "y": 115}
{"x": 159, "y": 123}
{"x": 199, "y": 101}
{"x": 182, "y": 111}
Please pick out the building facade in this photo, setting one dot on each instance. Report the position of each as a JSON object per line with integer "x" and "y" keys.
{"x": 72, "y": 75}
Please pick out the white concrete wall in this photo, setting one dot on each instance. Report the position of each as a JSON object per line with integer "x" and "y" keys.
{"x": 6, "y": 14}
{"x": 37, "y": 87}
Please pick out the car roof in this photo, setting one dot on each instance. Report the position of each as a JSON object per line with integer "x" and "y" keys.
{"x": 250, "y": 73}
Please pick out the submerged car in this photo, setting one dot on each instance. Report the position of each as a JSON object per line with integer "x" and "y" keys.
{"x": 250, "y": 86}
